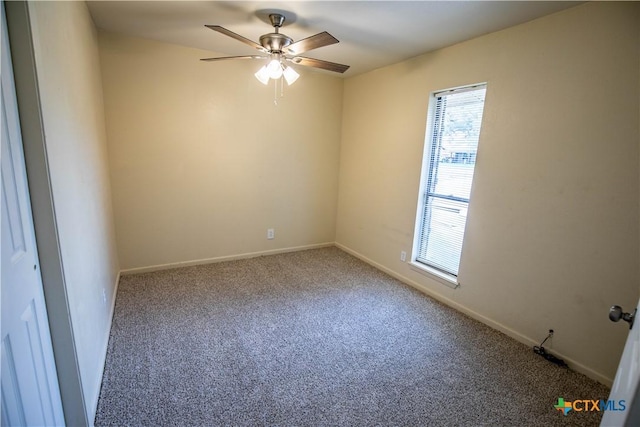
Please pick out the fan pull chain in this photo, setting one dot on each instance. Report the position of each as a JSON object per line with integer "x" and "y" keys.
{"x": 275, "y": 93}
{"x": 281, "y": 86}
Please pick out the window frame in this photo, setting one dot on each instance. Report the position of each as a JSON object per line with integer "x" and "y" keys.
{"x": 426, "y": 181}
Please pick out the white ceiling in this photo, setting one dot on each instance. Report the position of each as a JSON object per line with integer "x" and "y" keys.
{"x": 372, "y": 34}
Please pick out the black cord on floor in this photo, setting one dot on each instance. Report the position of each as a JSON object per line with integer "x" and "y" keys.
{"x": 539, "y": 349}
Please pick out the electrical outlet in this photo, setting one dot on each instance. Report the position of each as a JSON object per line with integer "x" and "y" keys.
{"x": 403, "y": 256}
{"x": 271, "y": 234}
{"x": 104, "y": 296}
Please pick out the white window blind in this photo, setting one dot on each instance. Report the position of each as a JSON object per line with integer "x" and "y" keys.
{"x": 448, "y": 173}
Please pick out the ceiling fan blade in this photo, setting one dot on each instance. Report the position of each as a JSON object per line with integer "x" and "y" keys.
{"x": 313, "y": 42}
{"x": 233, "y": 57}
{"x": 238, "y": 37}
{"x": 318, "y": 63}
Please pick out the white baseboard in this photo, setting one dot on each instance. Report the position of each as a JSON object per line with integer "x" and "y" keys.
{"x": 222, "y": 258}
{"x": 103, "y": 354}
{"x": 576, "y": 366}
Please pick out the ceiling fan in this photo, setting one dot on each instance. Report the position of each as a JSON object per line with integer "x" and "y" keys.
{"x": 281, "y": 48}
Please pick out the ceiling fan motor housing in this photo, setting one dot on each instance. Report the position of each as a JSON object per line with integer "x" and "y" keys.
{"x": 275, "y": 42}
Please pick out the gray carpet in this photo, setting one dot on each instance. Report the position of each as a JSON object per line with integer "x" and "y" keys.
{"x": 316, "y": 338}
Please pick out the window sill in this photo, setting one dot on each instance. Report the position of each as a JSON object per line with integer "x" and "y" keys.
{"x": 444, "y": 278}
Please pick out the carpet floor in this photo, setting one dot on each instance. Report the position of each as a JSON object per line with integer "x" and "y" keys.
{"x": 316, "y": 338}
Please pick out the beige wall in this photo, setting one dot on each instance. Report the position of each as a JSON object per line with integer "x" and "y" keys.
{"x": 67, "y": 62}
{"x": 202, "y": 162}
{"x": 552, "y": 232}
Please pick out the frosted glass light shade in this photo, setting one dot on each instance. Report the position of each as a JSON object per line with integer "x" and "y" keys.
{"x": 290, "y": 75}
{"x": 263, "y": 75}
{"x": 275, "y": 69}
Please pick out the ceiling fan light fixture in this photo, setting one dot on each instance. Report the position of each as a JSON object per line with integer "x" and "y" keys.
{"x": 263, "y": 75}
{"x": 290, "y": 75}
{"x": 275, "y": 69}
{"x": 280, "y": 48}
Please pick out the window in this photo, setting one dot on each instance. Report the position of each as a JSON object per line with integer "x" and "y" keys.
{"x": 447, "y": 173}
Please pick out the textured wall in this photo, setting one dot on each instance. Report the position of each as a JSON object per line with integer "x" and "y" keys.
{"x": 552, "y": 231}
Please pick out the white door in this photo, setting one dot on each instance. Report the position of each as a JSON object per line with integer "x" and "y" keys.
{"x": 625, "y": 385}
{"x": 30, "y": 393}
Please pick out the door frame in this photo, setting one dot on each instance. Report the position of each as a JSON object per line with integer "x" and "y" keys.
{"x": 44, "y": 220}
